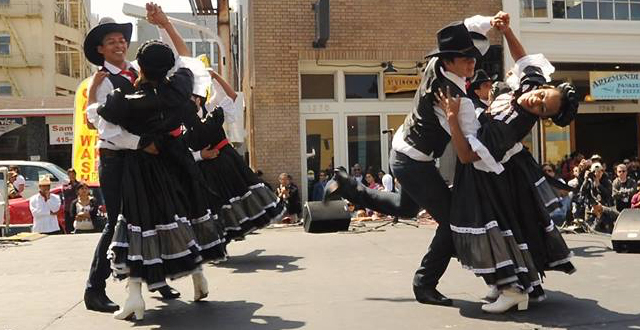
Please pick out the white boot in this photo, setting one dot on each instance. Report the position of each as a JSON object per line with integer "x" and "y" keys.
{"x": 493, "y": 293}
{"x": 507, "y": 299}
{"x": 134, "y": 304}
{"x": 200, "y": 286}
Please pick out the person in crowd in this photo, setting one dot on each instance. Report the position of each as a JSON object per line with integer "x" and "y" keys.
{"x": 623, "y": 188}
{"x": 596, "y": 188}
{"x": 69, "y": 195}
{"x": 480, "y": 88}
{"x": 575, "y": 174}
{"x": 318, "y": 187}
{"x": 559, "y": 215}
{"x": 635, "y": 200}
{"x": 11, "y": 188}
{"x": 602, "y": 218}
{"x": 501, "y": 200}
{"x": 289, "y": 194}
{"x": 381, "y": 175}
{"x": 106, "y": 46}
{"x": 371, "y": 181}
{"x": 419, "y": 142}
{"x": 634, "y": 169}
{"x": 19, "y": 182}
{"x": 44, "y": 207}
{"x": 84, "y": 210}
{"x": 356, "y": 173}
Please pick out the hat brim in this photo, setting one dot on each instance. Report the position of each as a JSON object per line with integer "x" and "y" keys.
{"x": 479, "y": 49}
{"x": 95, "y": 36}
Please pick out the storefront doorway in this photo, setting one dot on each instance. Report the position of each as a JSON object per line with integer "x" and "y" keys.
{"x": 614, "y": 136}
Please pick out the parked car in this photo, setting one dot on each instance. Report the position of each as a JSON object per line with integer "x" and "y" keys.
{"x": 31, "y": 172}
{"x": 21, "y": 215}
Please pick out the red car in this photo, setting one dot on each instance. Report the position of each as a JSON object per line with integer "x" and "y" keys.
{"x": 21, "y": 215}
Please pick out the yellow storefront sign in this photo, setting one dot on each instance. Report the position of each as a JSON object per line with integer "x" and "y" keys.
{"x": 401, "y": 83}
{"x": 85, "y": 155}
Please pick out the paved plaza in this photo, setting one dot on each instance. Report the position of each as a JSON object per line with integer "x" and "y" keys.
{"x": 288, "y": 279}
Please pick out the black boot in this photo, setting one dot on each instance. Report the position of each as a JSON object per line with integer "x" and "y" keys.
{"x": 97, "y": 300}
{"x": 431, "y": 296}
{"x": 341, "y": 185}
{"x": 167, "y": 292}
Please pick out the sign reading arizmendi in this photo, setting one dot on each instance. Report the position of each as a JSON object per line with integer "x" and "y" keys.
{"x": 614, "y": 85}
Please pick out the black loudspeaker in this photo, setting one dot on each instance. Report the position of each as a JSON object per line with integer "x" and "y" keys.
{"x": 626, "y": 233}
{"x": 328, "y": 217}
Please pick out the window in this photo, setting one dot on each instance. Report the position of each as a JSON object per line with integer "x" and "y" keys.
{"x": 316, "y": 86}
{"x": 5, "y": 43}
{"x": 361, "y": 86}
{"x": 533, "y": 8}
{"x": 4, "y": 2}
{"x": 190, "y": 47}
{"x": 203, "y": 47}
{"x": 620, "y": 10}
{"x": 5, "y": 89}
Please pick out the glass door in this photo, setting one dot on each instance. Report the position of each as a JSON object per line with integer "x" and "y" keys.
{"x": 319, "y": 154}
{"x": 363, "y": 142}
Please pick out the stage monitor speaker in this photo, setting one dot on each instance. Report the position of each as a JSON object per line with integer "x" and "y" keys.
{"x": 626, "y": 233}
{"x": 327, "y": 217}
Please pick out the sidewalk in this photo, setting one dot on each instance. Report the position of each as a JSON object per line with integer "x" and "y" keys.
{"x": 287, "y": 279}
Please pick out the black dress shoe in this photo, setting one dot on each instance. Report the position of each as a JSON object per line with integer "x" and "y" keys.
{"x": 431, "y": 296}
{"x": 98, "y": 301}
{"x": 168, "y": 292}
{"x": 340, "y": 185}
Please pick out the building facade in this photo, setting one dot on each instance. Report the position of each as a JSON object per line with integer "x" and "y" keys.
{"x": 41, "y": 64}
{"x": 314, "y": 108}
{"x": 587, "y": 40}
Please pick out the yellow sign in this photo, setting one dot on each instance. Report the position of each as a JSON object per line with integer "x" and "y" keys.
{"x": 85, "y": 154}
{"x": 401, "y": 83}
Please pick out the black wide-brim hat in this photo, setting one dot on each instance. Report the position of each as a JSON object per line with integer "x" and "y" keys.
{"x": 94, "y": 38}
{"x": 455, "y": 39}
{"x": 479, "y": 77}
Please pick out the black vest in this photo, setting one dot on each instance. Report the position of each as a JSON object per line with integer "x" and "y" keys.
{"x": 121, "y": 82}
{"x": 421, "y": 127}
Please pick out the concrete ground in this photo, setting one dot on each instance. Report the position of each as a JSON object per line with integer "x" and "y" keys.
{"x": 288, "y": 279}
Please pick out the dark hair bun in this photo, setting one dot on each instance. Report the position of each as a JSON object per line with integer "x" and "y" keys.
{"x": 155, "y": 59}
{"x": 568, "y": 105}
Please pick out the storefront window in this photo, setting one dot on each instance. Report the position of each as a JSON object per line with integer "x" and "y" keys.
{"x": 363, "y": 136}
{"x": 533, "y": 8}
{"x": 316, "y": 86}
{"x": 557, "y": 142}
{"x": 621, "y": 10}
{"x": 361, "y": 86}
{"x": 5, "y": 89}
{"x": 203, "y": 47}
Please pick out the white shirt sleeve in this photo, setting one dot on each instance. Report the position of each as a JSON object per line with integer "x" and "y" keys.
{"x": 38, "y": 207}
{"x": 469, "y": 123}
{"x": 479, "y": 24}
{"x": 53, "y": 204}
{"x": 107, "y": 131}
{"x": 227, "y": 105}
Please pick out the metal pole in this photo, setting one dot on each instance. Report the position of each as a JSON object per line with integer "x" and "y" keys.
{"x": 140, "y": 12}
{"x": 5, "y": 199}
{"x": 224, "y": 31}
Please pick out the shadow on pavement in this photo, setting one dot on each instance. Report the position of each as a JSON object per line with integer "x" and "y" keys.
{"x": 254, "y": 261}
{"x": 219, "y": 315}
{"x": 560, "y": 310}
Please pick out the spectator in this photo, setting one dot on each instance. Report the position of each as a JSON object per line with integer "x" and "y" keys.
{"x": 623, "y": 188}
{"x": 290, "y": 196}
{"x": 356, "y": 172}
{"x": 12, "y": 192}
{"x": 575, "y": 173}
{"x": 635, "y": 200}
{"x": 69, "y": 194}
{"x": 381, "y": 175}
{"x": 602, "y": 218}
{"x": 596, "y": 187}
{"x": 387, "y": 183}
{"x": 44, "y": 208}
{"x": 371, "y": 181}
{"x": 633, "y": 169}
{"x": 19, "y": 182}
{"x": 84, "y": 211}
{"x": 318, "y": 188}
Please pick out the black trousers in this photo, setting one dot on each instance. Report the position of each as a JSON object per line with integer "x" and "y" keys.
{"x": 110, "y": 173}
{"x": 422, "y": 186}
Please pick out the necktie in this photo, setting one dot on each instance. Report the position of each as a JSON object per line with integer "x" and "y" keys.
{"x": 129, "y": 74}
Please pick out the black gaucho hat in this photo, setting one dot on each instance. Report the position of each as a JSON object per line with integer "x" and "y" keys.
{"x": 455, "y": 39}
{"x": 479, "y": 77}
{"x": 94, "y": 38}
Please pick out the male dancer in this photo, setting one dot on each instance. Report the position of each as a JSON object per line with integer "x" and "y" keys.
{"x": 106, "y": 46}
{"x": 420, "y": 141}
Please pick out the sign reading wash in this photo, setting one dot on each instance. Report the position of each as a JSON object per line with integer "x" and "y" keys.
{"x": 615, "y": 85}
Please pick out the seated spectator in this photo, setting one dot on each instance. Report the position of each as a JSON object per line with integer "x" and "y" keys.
{"x": 635, "y": 200}
{"x": 371, "y": 181}
{"x": 84, "y": 211}
{"x": 602, "y": 218}
{"x": 633, "y": 169}
{"x": 44, "y": 208}
{"x": 318, "y": 187}
{"x": 387, "y": 183}
{"x": 623, "y": 188}
{"x": 290, "y": 196}
{"x": 11, "y": 188}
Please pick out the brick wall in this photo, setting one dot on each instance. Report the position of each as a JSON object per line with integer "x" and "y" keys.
{"x": 281, "y": 36}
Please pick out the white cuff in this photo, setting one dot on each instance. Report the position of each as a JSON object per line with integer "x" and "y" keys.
{"x": 196, "y": 156}
{"x": 479, "y": 24}
{"x": 486, "y": 163}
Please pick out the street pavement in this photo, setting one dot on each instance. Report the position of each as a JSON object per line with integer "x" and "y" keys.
{"x": 288, "y": 279}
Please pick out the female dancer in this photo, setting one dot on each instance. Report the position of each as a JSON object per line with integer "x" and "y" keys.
{"x": 243, "y": 202}
{"x": 499, "y": 214}
{"x": 163, "y": 231}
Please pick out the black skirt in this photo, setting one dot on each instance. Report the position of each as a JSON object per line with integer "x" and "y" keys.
{"x": 161, "y": 232}
{"x": 244, "y": 203}
{"x": 501, "y": 226}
